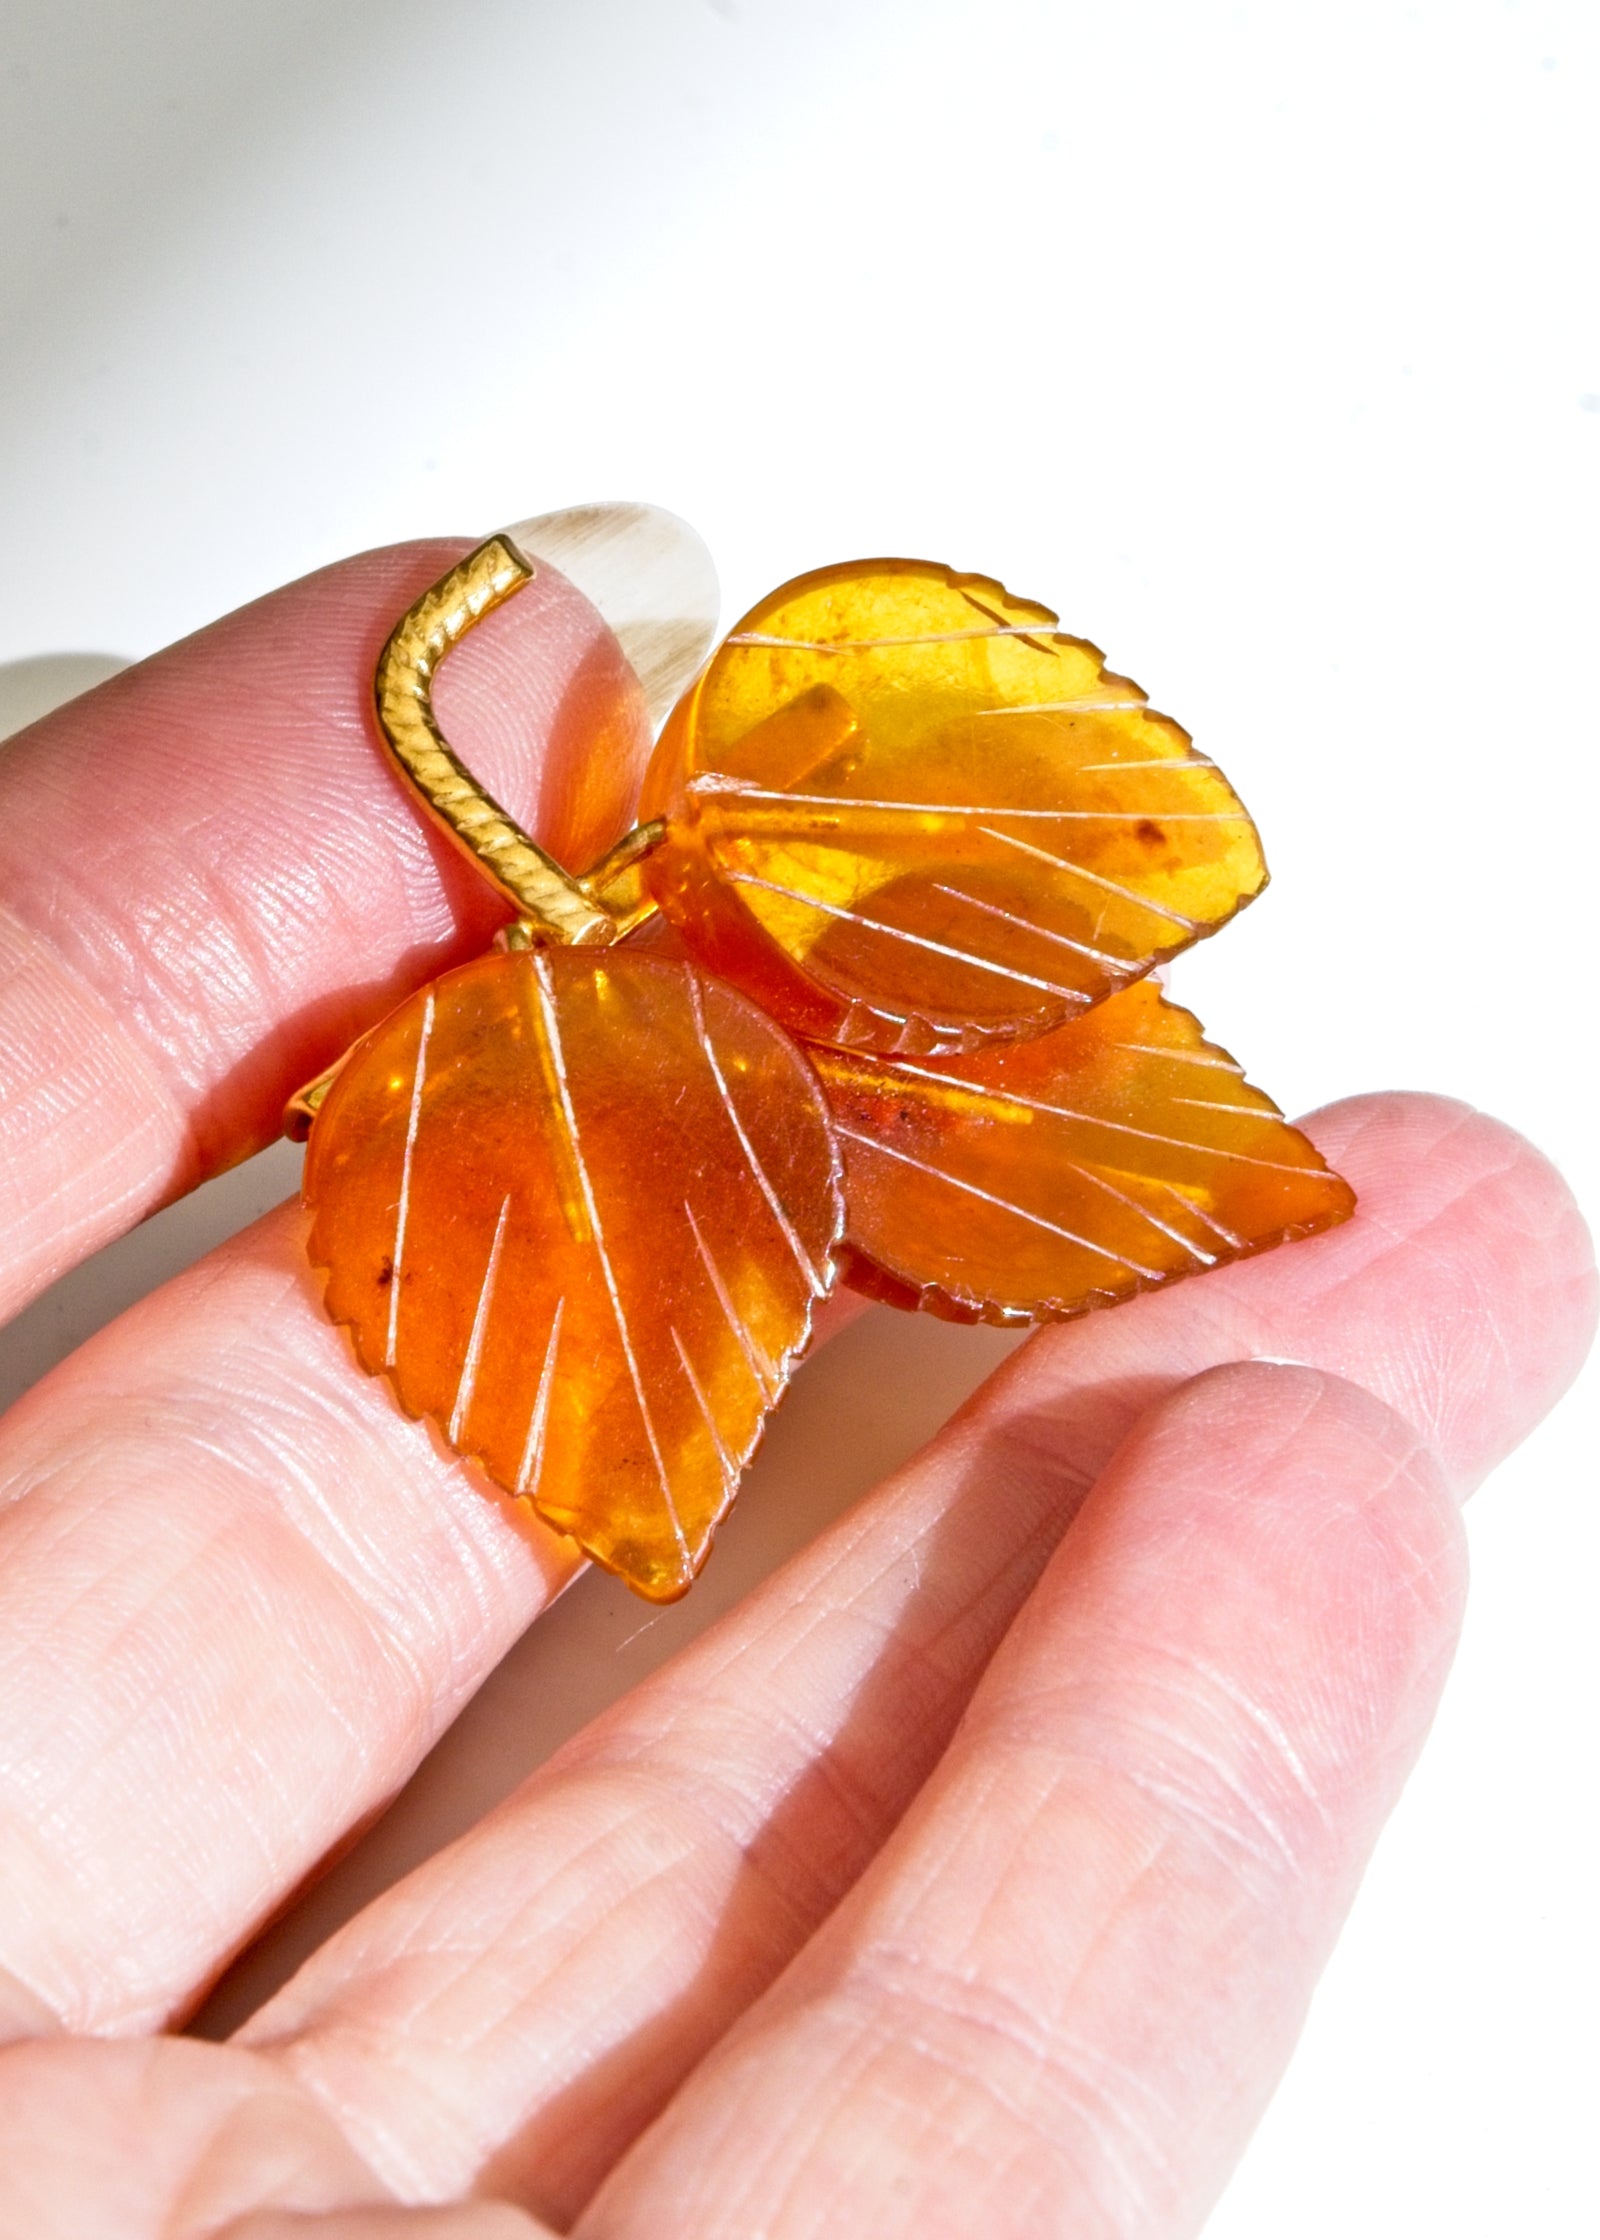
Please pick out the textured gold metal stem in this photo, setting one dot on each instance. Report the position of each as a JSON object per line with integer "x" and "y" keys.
{"x": 606, "y": 903}
{"x": 554, "y": 905}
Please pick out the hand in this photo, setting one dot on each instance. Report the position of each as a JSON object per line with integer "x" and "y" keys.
{"x": 970, "y": 1877}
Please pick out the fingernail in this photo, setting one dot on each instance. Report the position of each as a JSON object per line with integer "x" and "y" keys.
{"x": 648, "y": 573}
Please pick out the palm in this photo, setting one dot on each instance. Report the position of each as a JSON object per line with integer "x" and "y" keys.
{"x": 971, "y": 1875}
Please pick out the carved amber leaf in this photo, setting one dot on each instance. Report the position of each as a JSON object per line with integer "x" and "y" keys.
{"x": 577, "y": 1207}
{"x": 1039, "y": 1179}
{"x": 905, "y": 813}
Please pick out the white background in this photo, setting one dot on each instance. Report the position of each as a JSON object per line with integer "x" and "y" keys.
{"x": 1261, "y": 340}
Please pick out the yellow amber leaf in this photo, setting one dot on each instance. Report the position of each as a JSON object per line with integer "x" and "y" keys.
{"x": 578, "y": 1206}
{"x": 1036, "y": 1180}
{"x": 906, "y": 813}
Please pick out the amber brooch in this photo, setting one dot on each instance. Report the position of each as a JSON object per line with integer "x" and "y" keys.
{"x": 920, "y": 852}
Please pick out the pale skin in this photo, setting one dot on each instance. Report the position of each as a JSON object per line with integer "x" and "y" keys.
{"x": 980, "y": 1892}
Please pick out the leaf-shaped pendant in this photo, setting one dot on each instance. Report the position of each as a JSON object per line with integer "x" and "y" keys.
{"x": 578, "y": 1207}
{"x": 906, "y": 813}
{"x": 578, "y": 1203}
{"x": 1039, "y": 1179}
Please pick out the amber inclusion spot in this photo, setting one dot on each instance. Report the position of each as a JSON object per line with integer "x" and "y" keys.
{"x": 578, "y": 1208}
{"x": 1040, "y": 1179}
{"x": 906, "y": 813}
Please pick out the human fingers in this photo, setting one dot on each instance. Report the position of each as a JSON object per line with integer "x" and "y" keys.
{"x": 240, "y": 1596}
{"x": 523, "y": 2005}
{"x": 1059, "y": 1997}
{"x": 213, "y": 882}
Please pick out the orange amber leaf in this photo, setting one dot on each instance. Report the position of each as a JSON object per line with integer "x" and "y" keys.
{"x": 1043, "y": 1178}
{"x": 578, "y": 1207}
{"x": 905, "y": 813}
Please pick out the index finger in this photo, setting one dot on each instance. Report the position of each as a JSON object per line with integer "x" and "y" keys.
{"x": 211, "y": 882}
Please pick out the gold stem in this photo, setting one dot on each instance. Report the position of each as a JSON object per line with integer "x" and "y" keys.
{"x": 555, "y": 906}
{"x": 602, "y": 906}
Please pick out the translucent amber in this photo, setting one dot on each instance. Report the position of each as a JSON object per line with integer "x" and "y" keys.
{"x": 577, "y": 1206}
{"x": 1040, "y": 1179}
{"x": 906, "y": 813}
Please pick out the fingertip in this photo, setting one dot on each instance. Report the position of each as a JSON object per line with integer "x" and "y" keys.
{"x": 1290, "y": 1540}
{"x": 1316, "y": 1439}
{"x": 213, "y": 873}
{"x": 1472, "y": 1250}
